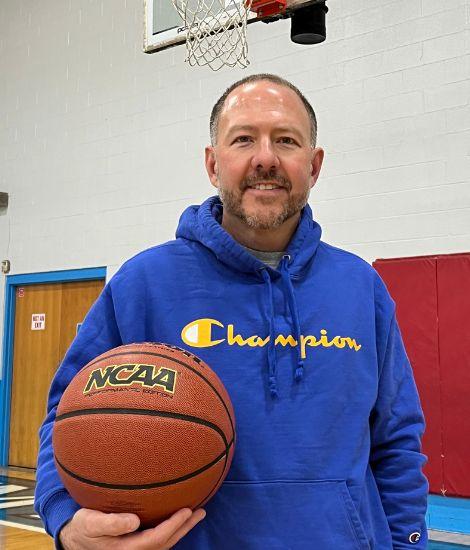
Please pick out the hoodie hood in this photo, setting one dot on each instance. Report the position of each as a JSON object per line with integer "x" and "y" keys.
{"x": 203, "y": 224}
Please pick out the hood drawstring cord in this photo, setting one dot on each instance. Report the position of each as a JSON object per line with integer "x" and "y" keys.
{"x": 271, "y": 350}
{"x": 299, "y": 370}
{"x": 284, "y": 268}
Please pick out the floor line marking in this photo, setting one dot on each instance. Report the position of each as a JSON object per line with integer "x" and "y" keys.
{"x": 22, "y": 526}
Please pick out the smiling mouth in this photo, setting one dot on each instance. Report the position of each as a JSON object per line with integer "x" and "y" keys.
{"x": 265, "y": 187}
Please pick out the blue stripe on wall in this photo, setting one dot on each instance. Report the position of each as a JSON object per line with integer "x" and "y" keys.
{"x": 58, "y": 276}
{"x": 448, "y": 514}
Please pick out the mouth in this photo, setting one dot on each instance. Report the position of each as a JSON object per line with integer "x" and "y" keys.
{"x": 266, "y": 187}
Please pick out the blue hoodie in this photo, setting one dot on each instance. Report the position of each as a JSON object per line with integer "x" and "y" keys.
{"x": 328, "y": 418}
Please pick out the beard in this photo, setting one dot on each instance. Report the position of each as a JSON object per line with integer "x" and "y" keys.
{"x": 268, "y": 215}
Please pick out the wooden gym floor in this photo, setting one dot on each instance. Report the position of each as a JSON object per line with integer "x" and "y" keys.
{"x": 20, "y": 527}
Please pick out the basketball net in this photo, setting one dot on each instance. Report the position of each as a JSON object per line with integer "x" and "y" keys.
{"x": 216, "y": 32}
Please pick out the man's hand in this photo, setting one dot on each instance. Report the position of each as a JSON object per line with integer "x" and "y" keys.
{"x": 93, "y": 530}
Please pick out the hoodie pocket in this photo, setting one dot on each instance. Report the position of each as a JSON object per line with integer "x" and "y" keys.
{"x": 283, "y": 515}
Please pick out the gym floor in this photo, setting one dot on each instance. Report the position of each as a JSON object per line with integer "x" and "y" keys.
{"x": 20, "y": 526}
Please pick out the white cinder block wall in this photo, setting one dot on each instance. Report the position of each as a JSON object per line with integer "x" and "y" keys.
{"x": 101, "y": 145}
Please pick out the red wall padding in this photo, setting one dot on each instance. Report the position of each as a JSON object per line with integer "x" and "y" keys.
{"x": 433, "y": 310}
{"x": 453, "y": 283}
{"x": 412, "y": 284}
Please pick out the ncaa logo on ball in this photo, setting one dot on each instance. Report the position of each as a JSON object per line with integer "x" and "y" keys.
{"x": 148, "y": 376}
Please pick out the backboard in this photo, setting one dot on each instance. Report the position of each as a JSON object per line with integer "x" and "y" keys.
{"x": 164, "y": 27}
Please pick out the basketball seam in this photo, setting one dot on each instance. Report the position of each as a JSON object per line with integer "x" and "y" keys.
{"x": 148, "y": 485}
{"x": 144, "y": 412}
{"x": 212, "y": 491}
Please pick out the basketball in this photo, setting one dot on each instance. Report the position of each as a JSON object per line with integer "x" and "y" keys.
{"x": 144, "y": 428}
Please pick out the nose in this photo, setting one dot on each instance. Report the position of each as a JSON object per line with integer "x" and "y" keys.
{"x": 264, "y": 157}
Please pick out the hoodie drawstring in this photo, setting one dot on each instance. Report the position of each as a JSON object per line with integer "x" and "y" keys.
{"x": 294, "y": 311}
{"x": 299, "y": 370}
{"x": 271, "y": 350}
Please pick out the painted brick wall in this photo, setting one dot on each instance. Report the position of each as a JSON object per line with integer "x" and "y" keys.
{"x": 101, "y": 145}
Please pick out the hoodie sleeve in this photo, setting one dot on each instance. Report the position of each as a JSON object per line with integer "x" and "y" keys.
{"x": 397, "y": 425}
{"x": 98, "y": 333}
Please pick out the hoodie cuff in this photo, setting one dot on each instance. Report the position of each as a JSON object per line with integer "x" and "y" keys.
{"x": 58, "y": 511}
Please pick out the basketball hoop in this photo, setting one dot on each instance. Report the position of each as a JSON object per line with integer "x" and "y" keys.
{"x": 216, "y": 29}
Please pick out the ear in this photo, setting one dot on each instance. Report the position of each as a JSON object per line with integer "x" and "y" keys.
{"x": 211, "y": 165}
{"x": 317, "y": 160}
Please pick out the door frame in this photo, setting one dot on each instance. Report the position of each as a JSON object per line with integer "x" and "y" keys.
{"x": 12, "y": 282}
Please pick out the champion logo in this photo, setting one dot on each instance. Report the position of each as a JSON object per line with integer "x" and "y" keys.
{"x": 414, "y": 537}
{"x": 204, "y": 333}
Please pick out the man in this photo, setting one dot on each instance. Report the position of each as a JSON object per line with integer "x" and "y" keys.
{"x": 302, "y": 334}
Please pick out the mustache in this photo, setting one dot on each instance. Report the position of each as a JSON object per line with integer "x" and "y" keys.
{"x": 275, "y": 179}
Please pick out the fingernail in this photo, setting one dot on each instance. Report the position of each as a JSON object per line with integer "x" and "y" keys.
{"x": 133, "y": 521}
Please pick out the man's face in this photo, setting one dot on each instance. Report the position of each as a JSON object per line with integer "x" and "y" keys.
{"x": 263, "y": 163}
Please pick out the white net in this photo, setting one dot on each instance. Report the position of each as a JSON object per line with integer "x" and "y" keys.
{"x": 216, "y": 32}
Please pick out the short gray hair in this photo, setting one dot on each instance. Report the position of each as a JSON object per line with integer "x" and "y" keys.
{"x": 217, "y": 109}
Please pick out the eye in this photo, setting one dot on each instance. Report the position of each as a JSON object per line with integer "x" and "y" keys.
{"x": 243, "y": 139}
{"x": 287, "y": 140}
